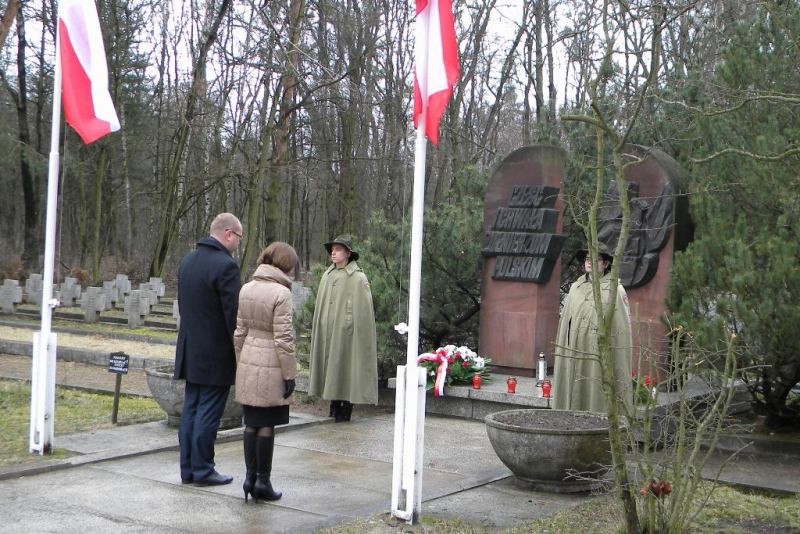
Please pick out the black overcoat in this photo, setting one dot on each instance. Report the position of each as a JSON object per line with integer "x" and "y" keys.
{"x": 208, "y": 299}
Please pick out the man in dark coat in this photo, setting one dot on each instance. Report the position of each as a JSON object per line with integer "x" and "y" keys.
{"x": 208, "y": 299}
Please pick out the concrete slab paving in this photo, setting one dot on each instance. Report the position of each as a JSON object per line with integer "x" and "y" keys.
{"x": 454, "y": 445}
{"x": 95, "y": 499}
{"x": 779, "y": 474}
{"x": 329, "y": 473}
{"x": 511, "y": 505}
{"x": 125, "y": 479}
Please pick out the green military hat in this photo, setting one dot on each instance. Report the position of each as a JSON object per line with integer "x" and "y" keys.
{"x": 346, "y": 241}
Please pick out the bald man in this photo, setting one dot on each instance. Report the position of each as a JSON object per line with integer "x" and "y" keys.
{"x": 208, "y": 298}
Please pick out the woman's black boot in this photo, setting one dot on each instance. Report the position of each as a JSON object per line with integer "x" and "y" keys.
{"x": 250, "y": 463}
{"x": 263, "y": 487}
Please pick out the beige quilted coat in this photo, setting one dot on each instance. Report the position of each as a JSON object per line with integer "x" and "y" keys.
{"x": 263, "y": 339}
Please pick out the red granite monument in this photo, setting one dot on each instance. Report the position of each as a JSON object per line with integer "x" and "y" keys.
{"x": 521, "y": 248}
{"x": 660, "y": 225}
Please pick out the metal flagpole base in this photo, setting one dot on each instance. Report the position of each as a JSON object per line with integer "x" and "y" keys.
{"x": 409, "y": 438}
{"x": 42, "y": 394}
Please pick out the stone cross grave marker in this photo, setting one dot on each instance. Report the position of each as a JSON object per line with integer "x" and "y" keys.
{"x": 176, "y": 314}
{"x": 111, "y": 293}
{"x": 70, "y": 291}
{"x": 136, "y": 308}
{"x": 10, "y": 296}
{"x": 33, "y": 289}
{"x": 150, "y": 293}
{"x": 300, "y": 294}
{"x": 92, "y": 302}
{"x": 157, "y": 285}
{"x": 123, "y": 286}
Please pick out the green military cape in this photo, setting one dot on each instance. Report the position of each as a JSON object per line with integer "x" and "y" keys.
{"x": 577, "y": 369}
{"x": 344, "y": 356}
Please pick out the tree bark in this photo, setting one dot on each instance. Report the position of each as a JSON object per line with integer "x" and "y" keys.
{"x": 30, "y": 188}
{"x": 170, "y": 214}
{"x": 8, "y": 18}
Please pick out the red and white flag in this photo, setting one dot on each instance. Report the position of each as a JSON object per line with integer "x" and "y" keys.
{"x": 437, "y": 68}
{"x": 87, "y": 103}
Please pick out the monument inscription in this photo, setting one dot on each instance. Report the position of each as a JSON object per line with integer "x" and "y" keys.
{"x": 523, "y": 235}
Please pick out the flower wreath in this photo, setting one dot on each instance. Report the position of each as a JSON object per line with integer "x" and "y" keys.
{"x": 451, "y": 365}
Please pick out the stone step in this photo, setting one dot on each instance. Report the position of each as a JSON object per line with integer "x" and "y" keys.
{"x": 493, "y": 396}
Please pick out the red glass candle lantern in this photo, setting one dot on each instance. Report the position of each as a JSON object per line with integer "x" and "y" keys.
{"x": 511, "y": 382}
{"x": 546, "y": 386}
{"x": 476, "y": 381}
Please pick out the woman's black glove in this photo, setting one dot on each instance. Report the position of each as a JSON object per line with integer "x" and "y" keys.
{"x": 288, "y": 386}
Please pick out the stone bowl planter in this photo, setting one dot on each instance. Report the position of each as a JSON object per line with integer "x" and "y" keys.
{"x": 168, "y": 393}
{"x": 546, "y": 449}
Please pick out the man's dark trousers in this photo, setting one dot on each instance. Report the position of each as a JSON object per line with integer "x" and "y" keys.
{"x": 202, "y": 409}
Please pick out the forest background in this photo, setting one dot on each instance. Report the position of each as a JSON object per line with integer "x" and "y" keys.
{"x": 295, "y": 115}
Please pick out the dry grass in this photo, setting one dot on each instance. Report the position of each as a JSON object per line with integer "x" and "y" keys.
{"x": 729, "y": 510}
{"x": 76, "y": 411}
{"x": 96, "y": 338}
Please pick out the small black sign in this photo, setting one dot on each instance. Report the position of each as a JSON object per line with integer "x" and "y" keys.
{"x": 118, "y": 363}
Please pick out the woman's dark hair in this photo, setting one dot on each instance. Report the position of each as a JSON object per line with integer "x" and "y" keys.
{"x": 281, "y": 255}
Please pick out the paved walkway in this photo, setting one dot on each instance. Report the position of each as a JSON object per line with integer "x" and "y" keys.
{"x": 126, "y": 479}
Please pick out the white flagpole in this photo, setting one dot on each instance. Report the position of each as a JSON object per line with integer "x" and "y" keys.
{"x": 408, "y": 448}
{"x": 44, "y": 342}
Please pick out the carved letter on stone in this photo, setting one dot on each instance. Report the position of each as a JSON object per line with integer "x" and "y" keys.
{"x": 523, "y": 236}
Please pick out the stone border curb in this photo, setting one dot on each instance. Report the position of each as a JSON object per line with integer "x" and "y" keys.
{"x": 71, "y": 354}
{"x": 223, "y": 436}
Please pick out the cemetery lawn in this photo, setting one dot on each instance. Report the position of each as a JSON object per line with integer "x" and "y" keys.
{"x": 100, "y": 328}
{"x": 728, "y": 510}
{"x": 76, "y": 411}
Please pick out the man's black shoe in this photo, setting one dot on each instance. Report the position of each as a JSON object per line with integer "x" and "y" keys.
{"x": 214, "y": 479}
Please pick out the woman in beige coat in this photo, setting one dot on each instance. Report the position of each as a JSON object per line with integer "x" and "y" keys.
{"x": 266, "y": 364}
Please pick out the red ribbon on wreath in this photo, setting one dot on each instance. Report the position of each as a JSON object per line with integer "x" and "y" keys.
{"x": 441, "y": 371}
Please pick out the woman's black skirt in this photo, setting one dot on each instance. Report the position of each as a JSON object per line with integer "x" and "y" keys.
{"x": 258, "y": 416}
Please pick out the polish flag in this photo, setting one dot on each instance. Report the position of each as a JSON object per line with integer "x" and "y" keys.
{"x": 87, "y": 104}
{"x": 437, "y": 68}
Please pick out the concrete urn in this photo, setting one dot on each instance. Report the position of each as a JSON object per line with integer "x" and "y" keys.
{"x": 168, "y": 393}
{"x": 559, "y": 451}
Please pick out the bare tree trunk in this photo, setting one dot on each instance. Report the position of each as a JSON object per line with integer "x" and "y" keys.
{"x": 126, "y": 222}
{"x": 30, "y": 189}
{"x": 82, "y": 214}
{"x": 551, "y": 85}
{"x": 8, "y": 18}
{"x": 538, "y": 13}
{"x": 253, "y": 217}
{"x": 170, "y": 213}
{"x": 288, "y": 89}
{"x": 99, "y": 174}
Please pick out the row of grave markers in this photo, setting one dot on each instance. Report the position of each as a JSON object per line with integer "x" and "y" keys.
{"x": 137, "y": 303}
